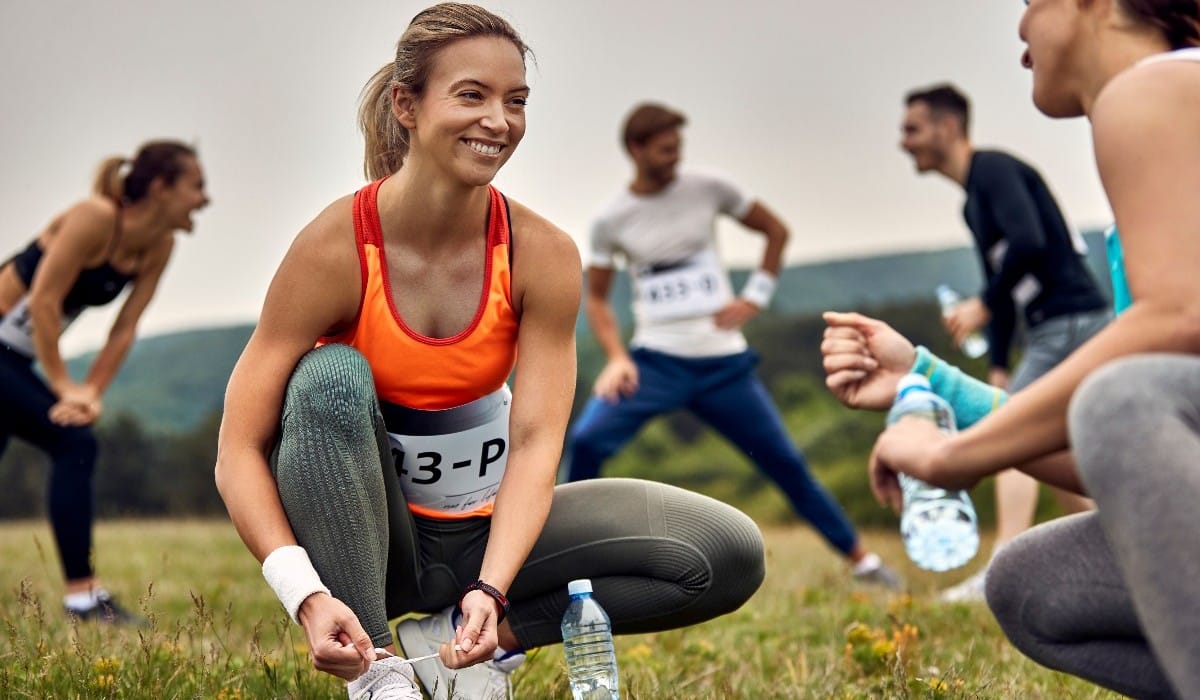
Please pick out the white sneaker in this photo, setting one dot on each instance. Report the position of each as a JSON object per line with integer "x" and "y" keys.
{"x": 872, "y": 570}
{"x": 500, "y": 670}
{"x": 389, "y": 678}
{"x": 484, "y": 681}
{"x": 970, "y": 590}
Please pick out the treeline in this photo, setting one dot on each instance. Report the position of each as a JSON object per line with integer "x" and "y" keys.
{"x": 137, "y": 473}
{"x": 151, "y": 473}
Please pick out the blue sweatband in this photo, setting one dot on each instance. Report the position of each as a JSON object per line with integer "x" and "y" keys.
{"x": 970, "y": 398}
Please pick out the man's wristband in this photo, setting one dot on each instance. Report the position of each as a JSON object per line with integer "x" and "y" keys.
{"x": 291, "y": 575}
{"x": 759, "y": 288}
{"x": 500, "y": 598}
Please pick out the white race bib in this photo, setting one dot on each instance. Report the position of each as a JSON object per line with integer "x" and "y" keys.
{"x": 16, "y": 328}
{"x": 696, "y": 286}
{"x": 451, "y": 460}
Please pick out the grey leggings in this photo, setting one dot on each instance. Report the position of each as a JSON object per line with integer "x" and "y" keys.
{"x": 659, "y": 557}
{"x": 1111, "y": 595}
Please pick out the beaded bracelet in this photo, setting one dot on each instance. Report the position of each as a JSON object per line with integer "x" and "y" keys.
{"x": 500, "y": 598}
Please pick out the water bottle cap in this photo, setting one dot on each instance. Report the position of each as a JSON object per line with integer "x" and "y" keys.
{"x": 579, "y": 585}
{"x": 909, "y": 382}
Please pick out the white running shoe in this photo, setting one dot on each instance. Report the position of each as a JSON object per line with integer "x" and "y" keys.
{"x": 389, "y": 678}
{"x": 872, "y": 570}
{"x": 500, "y": 670}
{"x": 970, "y": 590}
{"x": 485, "y": 681}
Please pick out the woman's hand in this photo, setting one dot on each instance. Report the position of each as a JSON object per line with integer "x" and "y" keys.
{"x": 915, "y": 447}
{"x": 864, "y": 359}
{"x": 475, "y": 638}
{"x": 337, "y": 642}
{"x": 78, "y": 404}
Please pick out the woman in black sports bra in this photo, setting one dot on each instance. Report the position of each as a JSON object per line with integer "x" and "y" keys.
{"x": 120, "y": 237}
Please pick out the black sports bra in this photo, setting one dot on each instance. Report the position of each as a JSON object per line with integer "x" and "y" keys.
{"x": 95, "y": 286}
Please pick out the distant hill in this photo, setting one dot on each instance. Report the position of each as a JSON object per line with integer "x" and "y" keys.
{"x": 173, "y": 382}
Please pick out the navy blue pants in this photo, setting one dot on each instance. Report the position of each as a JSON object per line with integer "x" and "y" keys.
{"x": 726, "y": 393}
{"x": 25, "y": 403}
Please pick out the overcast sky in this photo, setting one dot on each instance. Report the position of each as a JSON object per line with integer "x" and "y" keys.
{"x": 798, "y": 101}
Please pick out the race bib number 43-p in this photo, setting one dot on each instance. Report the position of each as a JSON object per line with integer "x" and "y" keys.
{"x": 450, "y": 460}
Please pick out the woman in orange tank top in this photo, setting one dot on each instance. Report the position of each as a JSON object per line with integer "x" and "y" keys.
{"x": 391, "y": 470}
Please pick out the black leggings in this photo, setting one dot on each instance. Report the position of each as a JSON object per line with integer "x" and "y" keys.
{"x": 659, "y": 557}
{"x": 25, "y": 403}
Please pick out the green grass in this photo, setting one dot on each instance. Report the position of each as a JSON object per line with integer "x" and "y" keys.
{"x": 217, "y": 631}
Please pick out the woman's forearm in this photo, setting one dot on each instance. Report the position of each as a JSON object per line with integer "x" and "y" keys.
{"x": 520, "y": 512}
{"x": 252, "y": 499}
{"x": 1033, "y": 423}
{"x": 46, "y": 318}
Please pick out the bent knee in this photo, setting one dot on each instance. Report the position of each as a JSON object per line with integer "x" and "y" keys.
{"x": 75, "y": 449}
{"x": 1124, "y": 398}
{"x": 330, "y": 378}
{"x": 736, "y": 553}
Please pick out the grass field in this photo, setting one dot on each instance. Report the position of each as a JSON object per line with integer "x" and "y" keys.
{"x": 217, "y": 631}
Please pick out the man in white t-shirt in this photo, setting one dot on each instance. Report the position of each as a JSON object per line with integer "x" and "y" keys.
{"x": 688, "y": 350}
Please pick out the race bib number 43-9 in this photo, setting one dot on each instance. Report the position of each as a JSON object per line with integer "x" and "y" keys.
{"x": 450, "y": 460}
{"x": 697, "y": 286}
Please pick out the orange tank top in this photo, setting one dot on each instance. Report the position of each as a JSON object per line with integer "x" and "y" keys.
{"x": 413, "y": 371}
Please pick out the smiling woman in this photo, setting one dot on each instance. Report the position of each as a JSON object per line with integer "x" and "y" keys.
{"x": 391, "y": 470}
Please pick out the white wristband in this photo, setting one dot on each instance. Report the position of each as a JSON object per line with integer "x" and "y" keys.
{"x": 291, "y": 575}
{"x": 759, "y": 288}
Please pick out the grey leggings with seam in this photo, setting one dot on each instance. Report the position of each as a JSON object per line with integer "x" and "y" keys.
{"x": 659, "y": 557}
{"x": 1111, "y": 595}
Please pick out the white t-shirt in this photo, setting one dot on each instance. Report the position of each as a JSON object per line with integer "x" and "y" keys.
{"x": 667, "y": 240}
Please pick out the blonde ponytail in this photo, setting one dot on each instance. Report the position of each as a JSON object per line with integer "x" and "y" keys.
{"x": 109, "y": 182}
{"x": 386, "y": 141}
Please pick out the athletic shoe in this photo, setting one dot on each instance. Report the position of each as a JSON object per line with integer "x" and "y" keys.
{"x": 873, "y": 571}
{"x": 484, "y": 681}
{"x": 967, "y": 591}
{"x": 389, "y": 678}
{"x": 500, "y": 670}
{"x": 107, "y": 611}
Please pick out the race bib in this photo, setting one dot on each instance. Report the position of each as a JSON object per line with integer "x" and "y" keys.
{"x": 451, "y": 460}
{"x": 1027, "y": 287}
{"x": 16, "y": 328}
{"x": 696, "y": 286}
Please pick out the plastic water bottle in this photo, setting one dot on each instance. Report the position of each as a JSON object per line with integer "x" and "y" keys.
{"x": 939, "y": 527}
{"x": 588, "y": 643}
{"x": 975, "y": 345}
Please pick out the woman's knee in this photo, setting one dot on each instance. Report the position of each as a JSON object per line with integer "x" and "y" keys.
{"x": 331, "y": 383}
{"x": 75, "y": 450}
{"x": 1122, "y": 397}
{"x": 729, "y": 541}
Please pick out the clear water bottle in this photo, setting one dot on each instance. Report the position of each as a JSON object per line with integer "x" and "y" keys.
{"x": 588, "y": 643}
{"x": 975, "y": 345}
{"x": 939, "y": 527}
